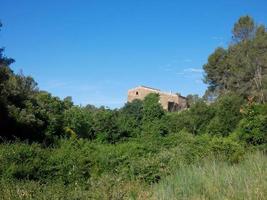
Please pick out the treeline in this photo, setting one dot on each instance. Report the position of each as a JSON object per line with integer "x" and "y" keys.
{"x": 232, "y": 105}
{"x": 242, "y": 66}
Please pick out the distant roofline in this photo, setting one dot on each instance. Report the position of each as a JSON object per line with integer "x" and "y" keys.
{"x": 149, "y": 88}
{"x": 158, "y": 90}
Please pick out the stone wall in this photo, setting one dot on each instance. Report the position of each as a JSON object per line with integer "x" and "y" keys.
{"x": 169, "y": 101}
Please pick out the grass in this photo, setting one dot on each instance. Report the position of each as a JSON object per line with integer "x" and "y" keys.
{"x": 217, "y": 180}
{"x": 211, "y": 179}
{"x": 181, "y": 166}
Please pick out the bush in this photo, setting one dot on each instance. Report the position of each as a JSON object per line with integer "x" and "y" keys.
{"x": 22, "y": 161}
{"x": 80, "y": 121}
{"x": 106, "y": 126}
{"x": 253, "y": 128}
{"x": 193, "y": 120}
{"x": 68, "y": 163}
{"x": 130, "y": 118}
{"x": 227, "y": 149}
{"x": 152, "y": 109}
{"x": 226, "y": 116}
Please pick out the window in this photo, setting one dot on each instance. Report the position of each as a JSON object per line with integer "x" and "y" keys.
{"x": 136, "y": 93}
{"x": 171, "y": 106}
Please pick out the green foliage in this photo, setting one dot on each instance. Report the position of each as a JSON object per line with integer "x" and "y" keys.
{"x": 106, "y": 126}
{"x": 227, "y": 115}
{"x": 98, "y": 153}
{"x": 22, "y": 161}
{"x": 80, "y": 121}
{"x": 242, "y": 67}
{"x": 213, "y": 179}
{"x": 192, "y": 99}
{"x": 199, "y": 116}
{"x": 134, "y": 109}
{"x": 244, "y": 29}
{"x": 228, "y": 149}
{"x": 155, "y": 128}
{"x": 194, "y": 120}
{"x": 18, "y": 106}
{"x": 50, "y": 111}
{"x": 152, "y": 109}
{"x": 147, "y": 159}
{"x": 130, "y": 118}
{"x": 209, "y": 179}
{"x": 68, "y": 164}
{"x": 253, "y": 127}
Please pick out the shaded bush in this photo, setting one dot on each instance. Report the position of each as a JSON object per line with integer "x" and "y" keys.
{"x": 253, "y": 128}
{"x": 194, "y": 120}
{"x": 152, "y": 109}
{"x": 226, "y": 115}
{"x": 79, "y": 120}
{"x": 68, "y": 163}
{"x": 145, "y": 159}
{"x": 106, "y": 126}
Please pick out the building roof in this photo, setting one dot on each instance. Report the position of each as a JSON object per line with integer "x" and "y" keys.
{"x": 157, "y": 90}
{"x": 149, "y": 88}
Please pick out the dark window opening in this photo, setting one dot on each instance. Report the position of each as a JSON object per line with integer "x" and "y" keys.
{"x": 136, "y": 93}
{"x": 172, "y": 107}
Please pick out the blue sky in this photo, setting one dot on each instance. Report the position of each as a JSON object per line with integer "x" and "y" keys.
{"x": 95, "y": 50}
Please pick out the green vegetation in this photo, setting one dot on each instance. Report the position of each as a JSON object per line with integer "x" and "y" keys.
{"x": 242, "y": 67}
{"x": 217, "y": 180}
{"x": 86, "y": 166}
{"x": 216, "y": 149}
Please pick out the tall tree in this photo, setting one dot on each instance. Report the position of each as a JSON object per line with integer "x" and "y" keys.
{"x": 25, "y": 112}
{"x": 244, "y": 29}
{"x": 242, "y": 67}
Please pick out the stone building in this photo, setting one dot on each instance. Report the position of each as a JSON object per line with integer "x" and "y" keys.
{"x": 169, "y": 101}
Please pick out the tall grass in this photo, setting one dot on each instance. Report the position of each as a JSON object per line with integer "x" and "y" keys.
{"x": 208, "y": 180}
{"x": 217, "y": 180}
{"x": 136, "y": 169}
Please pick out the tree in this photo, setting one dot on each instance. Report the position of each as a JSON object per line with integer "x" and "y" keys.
{"x": 226, "y": 115}
{"x": 130, "y": 118}
{"x": 80, "y": 121}
{"x": 253, "y": 127}
{"x": 198, "y": 117}
{"x": 152, "y": 109}
{"x": 242, "y": 67}
{"x": 4, "y": 61}
{"x": 133, "y": 109}
{"x": 192, "y": 99}
{"x": 217, "y": 72}
{"x": 106, "y": 126}
{"x": 25, "y": 112}
{"x": 244, "y": 29}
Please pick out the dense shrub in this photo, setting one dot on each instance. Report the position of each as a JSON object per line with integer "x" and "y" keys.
{"x": 79, "y": 120}
{"x": 106, "y": 126}
{"x": 130, "y": 118}
{"x": 22, "y": 161}
{"x": 253, "y": 128}
{"x": 145, "y": 159}
{"x": 152, "y": 109}
{"x": 68, "y": 163}
{"x": 226, "y": 115}
{"x": 193, "y": 120}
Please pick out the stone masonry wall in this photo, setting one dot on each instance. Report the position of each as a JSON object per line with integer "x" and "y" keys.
{"x": 141, "y": 92}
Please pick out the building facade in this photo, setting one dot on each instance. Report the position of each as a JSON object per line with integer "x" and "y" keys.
{"x": 169, "y": 101}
